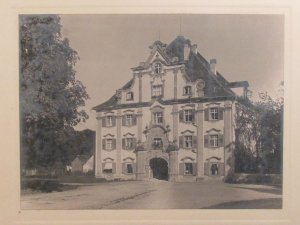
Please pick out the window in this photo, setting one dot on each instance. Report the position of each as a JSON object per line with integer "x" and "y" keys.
{"x": 188, "y": 115}
{"x": 187, "y": 90}
{"x": 109, "y": 121}
{"x": 214, "y": 113}
{"x": 156, "y": 90}
{"x": 108, "y": 144}
{"x": 129, "y": 96}
{"x": 188, "y": 168}
{"x": 157, "y": 143}
{"x": 157, "y": 68}
{"x": 129, "y": 120}
{"x": 129, "y": 143}
{"x": 108, "y": 167}
{"x": 188, "y": 142}
{"x": 129, "y": 168}
{"x": 158, "y": 117}
{"x": 214, "y": 170}
{"x": 213, "y": 140}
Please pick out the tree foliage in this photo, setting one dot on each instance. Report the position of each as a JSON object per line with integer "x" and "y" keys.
{"x": 50, "y": 96}
{"x": 259, "y": 134}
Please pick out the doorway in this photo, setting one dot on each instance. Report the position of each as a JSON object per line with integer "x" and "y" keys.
{"x": 159, "y": 167}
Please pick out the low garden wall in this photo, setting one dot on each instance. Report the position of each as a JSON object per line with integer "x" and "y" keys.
{"x": 246, "y": 178}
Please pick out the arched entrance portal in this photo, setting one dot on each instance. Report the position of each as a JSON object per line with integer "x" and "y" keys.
{"x": 159, "y": 167}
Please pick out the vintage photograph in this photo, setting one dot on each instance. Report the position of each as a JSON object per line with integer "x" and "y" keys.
{"x": 151, "y": 111}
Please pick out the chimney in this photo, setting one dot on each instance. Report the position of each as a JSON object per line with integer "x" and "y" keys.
{"x": 186, "y": 52}
{"x": 213, "y": 66}
{"x": 194, "y": 49}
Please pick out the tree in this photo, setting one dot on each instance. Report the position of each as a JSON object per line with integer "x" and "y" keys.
{"x": 259, "y": 134}
{"x": 50, "y": 96}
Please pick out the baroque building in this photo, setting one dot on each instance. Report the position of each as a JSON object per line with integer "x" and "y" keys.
{"x": 173, "y": 120}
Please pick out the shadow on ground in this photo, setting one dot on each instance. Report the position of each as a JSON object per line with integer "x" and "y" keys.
{"x": 271, "y": 203}
{"x": 276, "y": 191}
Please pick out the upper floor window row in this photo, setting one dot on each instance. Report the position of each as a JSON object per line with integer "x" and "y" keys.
{"x": 127, "y": 120}
{"x": 214, "y": 114}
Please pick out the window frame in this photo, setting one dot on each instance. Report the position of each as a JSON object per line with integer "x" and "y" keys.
{"x": 157, "y": 68}
{"x": 110, "y": 170}
{"x": 157, "y": 143}
{"x": 185, "y": 88}
{"x": 156, "y": 119}
{"x": 214, "y": 138}
{"x": 109, "y": 121}
{"x": 106, "y": 144}
{"x": 188, "y": 116}
{"x": 131, "y": 96}
{"x": 188, "y": 168}
{"x": 127, "y": 169}
{"x": 214, "y": 113}
{"x": 154, "y": 91}
{"x": 190, "y": 141}
{"x": 127, "y": 141}
{"x": 131, "y": 119}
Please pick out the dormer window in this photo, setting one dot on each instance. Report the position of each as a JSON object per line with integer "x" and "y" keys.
{"x": 187, "y": 90}
{"x": 157, "y": 68}
{"x": 129, "y": 96}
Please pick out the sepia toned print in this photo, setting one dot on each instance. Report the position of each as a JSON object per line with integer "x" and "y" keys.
{"x": 176, "y": 134}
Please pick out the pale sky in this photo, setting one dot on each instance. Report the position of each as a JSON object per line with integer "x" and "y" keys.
{"x": 247, "y": 47}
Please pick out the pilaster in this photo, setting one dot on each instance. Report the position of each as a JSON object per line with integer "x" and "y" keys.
{"x": 119, "y": 144}
{"x": 175, "y": 83}
{"x": 228, "y": 139}
{"x": 98, "y": 158}
{"x": 200, "y": 141}
{"x": 140, "y": 164}
{"x": 140, "y": 88}
{"x": 173, "y": 165}
{"x": 139, "y": 124}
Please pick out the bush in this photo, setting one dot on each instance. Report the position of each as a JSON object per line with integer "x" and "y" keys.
{"x": 244, "y": 178}
{"x": 42, "y": 185}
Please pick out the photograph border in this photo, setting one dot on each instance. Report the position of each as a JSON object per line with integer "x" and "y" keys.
{"x": 10, "y": 192}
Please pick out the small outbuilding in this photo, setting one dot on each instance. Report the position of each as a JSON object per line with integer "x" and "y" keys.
{"x": 83, "y": 164}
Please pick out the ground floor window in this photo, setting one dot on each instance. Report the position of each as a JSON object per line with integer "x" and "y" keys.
{"x": 214, "y": 169}
{"x": 129, "y": 168}
{"x": 108, "y": 167}
{"x": 188, "y": 168}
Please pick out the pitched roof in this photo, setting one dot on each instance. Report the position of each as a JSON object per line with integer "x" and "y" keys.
{"x": 83, "y": 158}
{"x": 196, "y": 67}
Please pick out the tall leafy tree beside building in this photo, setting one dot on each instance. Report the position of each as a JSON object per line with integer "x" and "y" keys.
{"x": 50, "y": 96}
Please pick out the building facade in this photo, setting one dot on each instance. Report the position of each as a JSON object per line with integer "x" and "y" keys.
{"x": 173, "y": 120}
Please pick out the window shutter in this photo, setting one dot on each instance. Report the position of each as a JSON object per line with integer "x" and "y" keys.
{"x": 113, "y": 144}
{"x": 221, "y": 140}
{"x": 206, "y": 114}
{"x": 124, "y": 120}
{"x": 180, "y": 141}
{"x": 194, "y": 116}
{"x": 206, "y": 169}
{"x": 206, "y": 140}
{"x": 221, "y": 169}
{"x": 181, "y": 168}
{"x": 134, "y": 143}
{"x": 103, "y": 121}
{"x": 113, "y": 121}
{"x": 103, "y": 144}
{"x": 124, "y": 168}
{"x": 134, "y": 119}
{"x": 134, "y": 167}
{"x": 181, "y": 116}
{"x": 113, "y": 167}
{"x": 123, "y": 143}
{"x": 220, "y": 110}
{"x": 194, "y": 141}
{"x": 103, "y": 164}
{"x": 194, "y": 169}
